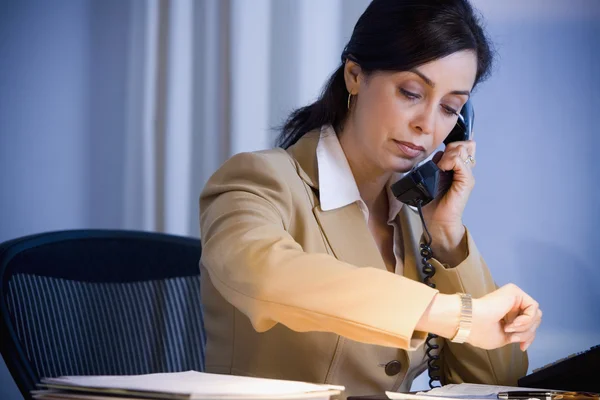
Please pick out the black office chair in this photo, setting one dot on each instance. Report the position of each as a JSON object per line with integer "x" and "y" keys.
{"x": 99, "y": 302}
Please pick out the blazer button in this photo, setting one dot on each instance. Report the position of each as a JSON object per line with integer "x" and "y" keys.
{"x": 393, "y": 368}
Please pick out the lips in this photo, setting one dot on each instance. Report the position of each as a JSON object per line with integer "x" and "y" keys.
{"x": 411, "y": 150}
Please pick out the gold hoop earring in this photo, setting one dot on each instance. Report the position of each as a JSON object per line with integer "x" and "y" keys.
{"x": 349, "y": 97}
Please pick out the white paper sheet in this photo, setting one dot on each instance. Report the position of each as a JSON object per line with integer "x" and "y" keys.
{"x": 459, "y": 391}
{"x": 472, "y": 391}
{"x": 199, "y": 385}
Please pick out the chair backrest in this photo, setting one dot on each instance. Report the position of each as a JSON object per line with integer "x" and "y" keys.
{"x": 99, "y": 302}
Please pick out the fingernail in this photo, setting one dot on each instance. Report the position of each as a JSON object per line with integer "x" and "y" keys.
{"x": 515, "y": 339}
{"x": 525, "y": 348}
{"x": 509, "y": 329}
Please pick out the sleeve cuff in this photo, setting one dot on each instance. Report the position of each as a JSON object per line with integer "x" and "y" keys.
{"x": 420, "y": 299}
{"x": 470, "y": 276}
{"x": 417, "y": 340}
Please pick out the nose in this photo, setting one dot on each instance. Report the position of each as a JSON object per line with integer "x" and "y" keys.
{"x": 424, "y": 120}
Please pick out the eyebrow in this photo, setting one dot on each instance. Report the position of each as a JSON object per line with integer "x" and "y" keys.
{"x": 429, "y": 82}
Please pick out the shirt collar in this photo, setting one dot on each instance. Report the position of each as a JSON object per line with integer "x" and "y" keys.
{"x": 337, "y": 187}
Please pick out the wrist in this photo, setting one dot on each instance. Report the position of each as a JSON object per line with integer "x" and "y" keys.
{"x": 447, "y": 235}
{"x": 449, "y": 244}
{"x": 442, "y": 316}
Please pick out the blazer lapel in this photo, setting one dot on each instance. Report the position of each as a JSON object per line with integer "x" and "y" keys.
{"x": 349, "y": 236}
{"x": 304, "y": 152}
{"x": 345, "y": 228}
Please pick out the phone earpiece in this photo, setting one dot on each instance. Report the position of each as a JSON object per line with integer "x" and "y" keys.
{"x": 463, "y": 130}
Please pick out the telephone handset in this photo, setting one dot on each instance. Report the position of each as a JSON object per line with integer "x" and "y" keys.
{"x": 427, "y": 181}
{"x": 419, "y": 187}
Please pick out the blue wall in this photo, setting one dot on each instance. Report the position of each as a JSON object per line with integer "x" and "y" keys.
{"x": 534, "y": 212}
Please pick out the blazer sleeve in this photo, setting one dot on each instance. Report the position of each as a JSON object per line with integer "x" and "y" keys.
{"x": 260, "y": 269}
{"x": 463, "y": 362}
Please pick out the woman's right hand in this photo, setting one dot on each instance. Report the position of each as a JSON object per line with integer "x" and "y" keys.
{"x": 506, "y": 315}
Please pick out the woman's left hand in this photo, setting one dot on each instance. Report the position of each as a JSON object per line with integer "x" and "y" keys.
{"x": 444, "y": 215}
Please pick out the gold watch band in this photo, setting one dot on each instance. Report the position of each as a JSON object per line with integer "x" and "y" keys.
{"x": 466, "y": 319}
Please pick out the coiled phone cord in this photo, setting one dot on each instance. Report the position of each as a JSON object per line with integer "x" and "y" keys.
{"x": 429, "y": 271}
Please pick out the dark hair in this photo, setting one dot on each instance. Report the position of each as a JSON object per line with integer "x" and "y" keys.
{"x": 394, "y": 35}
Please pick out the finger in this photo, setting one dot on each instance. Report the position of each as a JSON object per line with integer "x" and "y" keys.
{"x": 515, "y": 338}
{"x": 537, "y": 322}
{"x": 437, "y": 157}
{"x": 523, "y": 323}
{"x": 526, "y": 331}
{"x": 525, "y": 346}
{"x": 455, "y": 159}
{"x": 528, "y": 314}
{"x": 466, "y": 150}
{"x": 522, "y": 338}
{"x": 510, "y": 317}
{"x": 534, "y": 328}
{"x": 470, "y": 146}
{"x": 528, "y": 334}
{"x": 529, "y": 309}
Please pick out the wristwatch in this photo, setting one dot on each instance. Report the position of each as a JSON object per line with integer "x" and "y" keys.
{"x": 466, "y": 319}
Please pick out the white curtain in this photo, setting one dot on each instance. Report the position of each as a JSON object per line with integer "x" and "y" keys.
{"x": 211, "y": 78}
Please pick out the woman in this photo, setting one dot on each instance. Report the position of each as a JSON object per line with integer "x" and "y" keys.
{"x": 310, "y": 265}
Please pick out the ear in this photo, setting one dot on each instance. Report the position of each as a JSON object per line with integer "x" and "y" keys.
{"x": 352, "y": 76}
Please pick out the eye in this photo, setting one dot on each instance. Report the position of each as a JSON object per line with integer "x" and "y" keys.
{"x": 449, "y": 111}
{"x": 409, "y": 95}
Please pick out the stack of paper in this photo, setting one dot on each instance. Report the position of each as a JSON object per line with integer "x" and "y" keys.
{"x": 190, "y": 385}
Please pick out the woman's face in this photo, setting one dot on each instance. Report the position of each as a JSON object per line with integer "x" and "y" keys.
{"x": 399, "y": 118}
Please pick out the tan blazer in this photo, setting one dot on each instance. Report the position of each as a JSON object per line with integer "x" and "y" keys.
{"x": 293, "y": 292}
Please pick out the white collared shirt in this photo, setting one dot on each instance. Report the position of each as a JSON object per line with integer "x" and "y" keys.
{"x": 337, "y": 187}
